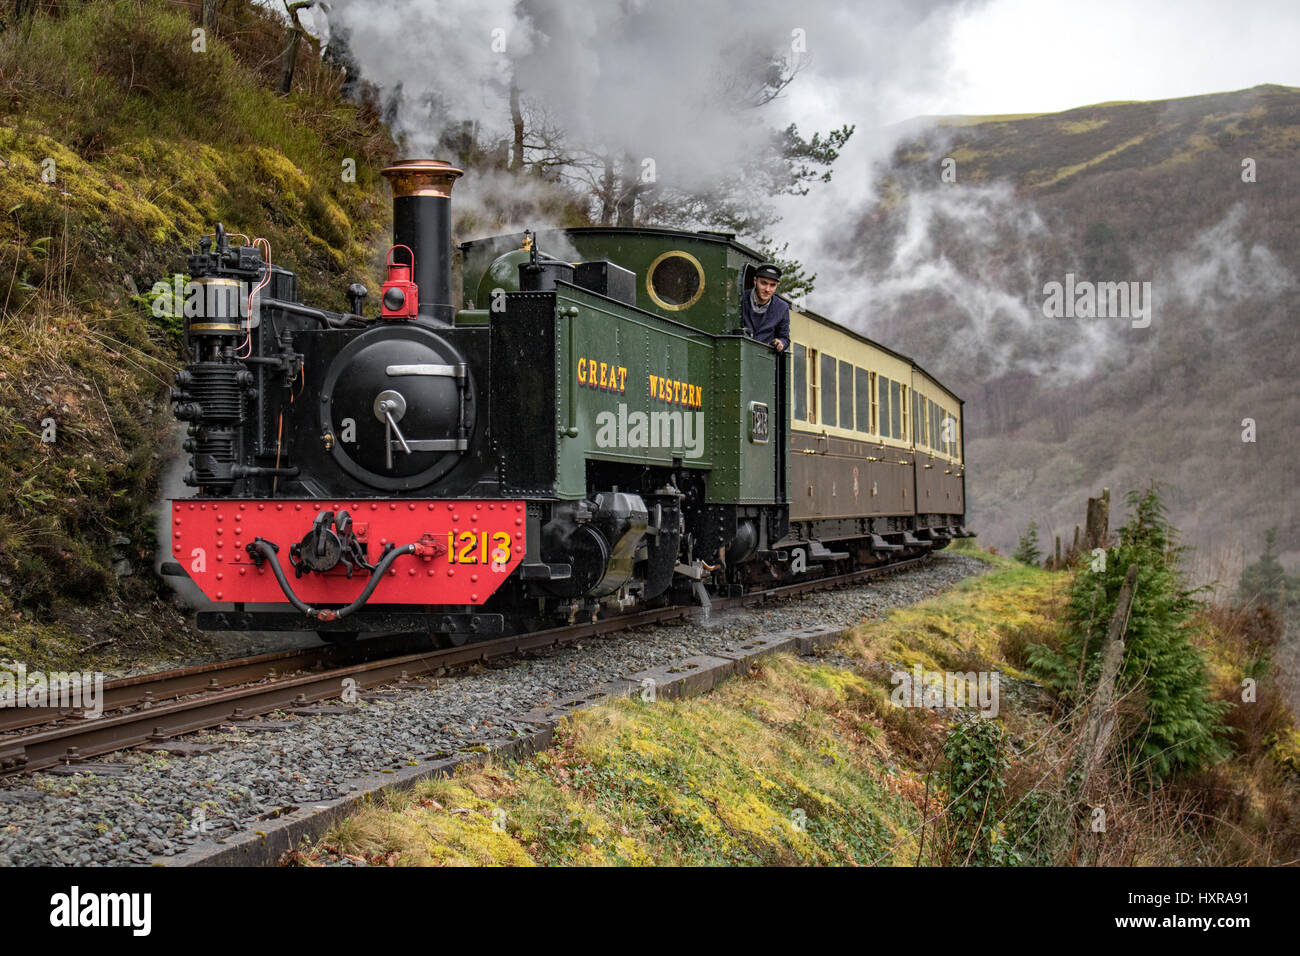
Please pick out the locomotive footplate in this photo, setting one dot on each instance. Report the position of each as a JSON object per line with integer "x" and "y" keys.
{"x": 365, "y": 620}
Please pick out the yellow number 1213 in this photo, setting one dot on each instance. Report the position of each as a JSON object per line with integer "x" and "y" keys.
{"x": 471, "y": 547}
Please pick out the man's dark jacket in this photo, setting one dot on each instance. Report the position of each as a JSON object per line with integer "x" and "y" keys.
{"x": 769, "y": 325}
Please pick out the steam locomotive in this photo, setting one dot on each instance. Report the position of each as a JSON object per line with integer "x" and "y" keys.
{"x": 590, "y": 434}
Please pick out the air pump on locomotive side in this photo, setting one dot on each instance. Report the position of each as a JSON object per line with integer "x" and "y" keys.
{"x": 574, "y": 447}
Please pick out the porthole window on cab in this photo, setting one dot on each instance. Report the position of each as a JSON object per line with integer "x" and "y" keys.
{"x": 675, "y": 281}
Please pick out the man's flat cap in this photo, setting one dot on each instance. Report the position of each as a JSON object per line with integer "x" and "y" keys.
{"x": 767, "y": 271}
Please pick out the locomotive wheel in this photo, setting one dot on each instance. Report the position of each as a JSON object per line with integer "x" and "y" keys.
{"x": 338, "y": 637}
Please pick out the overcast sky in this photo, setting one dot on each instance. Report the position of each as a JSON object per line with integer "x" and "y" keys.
{"x": 1035, "y": 56}
{"x": 1031, "y": 56}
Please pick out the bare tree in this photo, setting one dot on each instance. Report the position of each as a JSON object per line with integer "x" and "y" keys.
{"x": 517, "y": 126}
{"x": 541, "y": 146}
{"x": 605, "y": 195}
{"x": 738, "y": 202}
{"x": 292, "y": 41}
{"x": 630, "y": 189}
{"x": 208, "y": 16}
{"x": 760, "y": 76}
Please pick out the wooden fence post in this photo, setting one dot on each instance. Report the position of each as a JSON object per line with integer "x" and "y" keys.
{"x": 1098, "y": 521}
{"x": 1099, "y": 724}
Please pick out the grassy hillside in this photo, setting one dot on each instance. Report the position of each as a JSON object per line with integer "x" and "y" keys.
{"x": 115, "y": 155}
{"x": 1146, "y": 191}
{"x": 1049, "y": 149}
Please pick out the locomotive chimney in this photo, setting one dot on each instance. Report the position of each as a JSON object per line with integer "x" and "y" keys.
{"x": 422, "y": 221}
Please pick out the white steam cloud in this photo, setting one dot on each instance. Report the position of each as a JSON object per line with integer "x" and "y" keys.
{"x": 1221, "y": 266}
{"x": 664, "y": 81}
{"x": 952, "y": 252}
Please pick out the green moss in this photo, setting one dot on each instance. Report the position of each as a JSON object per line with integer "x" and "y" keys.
{"x": 969, "y": 627}
{"x": 1286, "y": 751}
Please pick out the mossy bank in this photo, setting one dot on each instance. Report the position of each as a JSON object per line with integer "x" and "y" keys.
{"x": 114, "y": 158}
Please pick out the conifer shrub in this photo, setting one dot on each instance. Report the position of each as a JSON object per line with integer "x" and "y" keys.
{"x": 1027, "y": 551}
{"x": 1169, "y": 721}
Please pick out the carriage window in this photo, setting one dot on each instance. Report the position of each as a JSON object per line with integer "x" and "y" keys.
{"x": 828, "y": 390}
{"x": 895, "y": 412}
{"x": 918, "y": 428}
{"x": 800, "y": 382}
{"x": 863, "y": 395}
{"x": 882, "y": 413}
{"x": 903, "y": 405}
{"x": 846, "y": 395}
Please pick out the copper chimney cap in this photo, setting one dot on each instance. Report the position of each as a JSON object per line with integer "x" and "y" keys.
{"x": 422, "y": 177}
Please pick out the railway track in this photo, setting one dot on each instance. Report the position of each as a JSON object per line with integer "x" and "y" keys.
{"x": 149, "y": 689}
{"x": 154, "y": 708}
